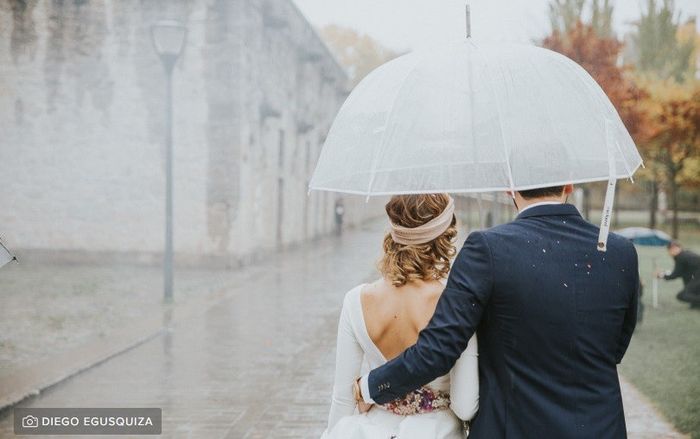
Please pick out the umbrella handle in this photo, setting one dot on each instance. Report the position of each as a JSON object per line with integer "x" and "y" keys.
{"x": 610, "y": 193}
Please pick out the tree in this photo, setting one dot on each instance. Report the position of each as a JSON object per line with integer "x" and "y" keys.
{"x": 598, "y": 51}
{"x": 601, "y": 18}
{"x": 688, "y": 32}
{"x": 598, "y": 56}
{"x": 660, "y": 49}
{"x": 358, "y": 53}
{"x": 564, "y": 14}
{"x": 677, "y": 137}
{"x": 654, "y": 171}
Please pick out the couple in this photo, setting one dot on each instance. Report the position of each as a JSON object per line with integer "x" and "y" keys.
{"x": 553, "y": 317}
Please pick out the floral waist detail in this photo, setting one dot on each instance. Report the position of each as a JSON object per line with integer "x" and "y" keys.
{"x": 423, "y": 400}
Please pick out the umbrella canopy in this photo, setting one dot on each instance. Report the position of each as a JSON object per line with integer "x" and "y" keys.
{"x": 472, "y": 117}
{"x": 645, "y": 236}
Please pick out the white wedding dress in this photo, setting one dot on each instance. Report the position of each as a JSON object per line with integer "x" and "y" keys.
{"x": 357, "y": 354}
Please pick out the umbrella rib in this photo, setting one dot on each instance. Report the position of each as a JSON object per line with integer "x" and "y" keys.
{"x": 503, "y": 138}
{"x": 375, "y": 159}
{"x": 462, "y": 191}
{"x": 603, "y": 99}
{"x": 624, "y": 161}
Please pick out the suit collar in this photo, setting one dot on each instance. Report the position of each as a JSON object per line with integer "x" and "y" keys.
{"x": 549, "y": 210}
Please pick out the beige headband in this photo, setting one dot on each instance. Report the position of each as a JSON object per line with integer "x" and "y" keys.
{"x": 425, "y": 232}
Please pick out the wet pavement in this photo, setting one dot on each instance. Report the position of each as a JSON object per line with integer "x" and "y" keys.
{"x": 257, "y": 361}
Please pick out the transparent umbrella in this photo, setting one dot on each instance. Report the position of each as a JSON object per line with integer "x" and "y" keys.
{"x": 475, "y": 117}
{"x": 5, "y": 255}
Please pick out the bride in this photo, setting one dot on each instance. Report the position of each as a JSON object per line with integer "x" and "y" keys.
{"x": 381, "y": 319}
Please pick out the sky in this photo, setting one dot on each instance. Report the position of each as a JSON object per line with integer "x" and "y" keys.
{"x": 409, "y": 24}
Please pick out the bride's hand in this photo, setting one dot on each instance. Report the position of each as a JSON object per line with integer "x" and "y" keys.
{"x": 363, "y": 407}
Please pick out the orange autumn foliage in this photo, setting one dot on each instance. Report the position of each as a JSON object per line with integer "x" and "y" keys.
{"x": 598, "y": 56}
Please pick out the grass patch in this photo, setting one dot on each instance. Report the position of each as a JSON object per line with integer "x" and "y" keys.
{"x": 663, "y": 359}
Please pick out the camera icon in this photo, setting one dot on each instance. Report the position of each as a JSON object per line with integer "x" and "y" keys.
{"x": 30, "y": 421}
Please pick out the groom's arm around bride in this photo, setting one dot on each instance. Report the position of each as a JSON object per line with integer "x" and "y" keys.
{"x": 553, "y": 316}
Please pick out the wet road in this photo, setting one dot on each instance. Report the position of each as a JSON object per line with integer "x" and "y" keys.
{"x": 256, "y": 364}
{"x": 257, "y": 360}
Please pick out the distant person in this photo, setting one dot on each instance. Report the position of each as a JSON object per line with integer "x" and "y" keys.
{"x": 687, "y": 268}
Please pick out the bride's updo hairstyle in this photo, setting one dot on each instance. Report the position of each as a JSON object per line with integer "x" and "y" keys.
{"x": 416, "y": 257}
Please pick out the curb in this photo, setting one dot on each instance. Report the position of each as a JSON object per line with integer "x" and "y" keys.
{"x": 32, "y": 380}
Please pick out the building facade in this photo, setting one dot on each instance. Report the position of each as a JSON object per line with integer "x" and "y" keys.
{"x": 83, "y": 125}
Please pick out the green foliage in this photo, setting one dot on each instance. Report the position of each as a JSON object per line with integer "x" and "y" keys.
{"x": 601, "y": 18}
{"x": 564, "y": 14}
{"x": 659, "y": 50}
{"x": 663, "y": 357}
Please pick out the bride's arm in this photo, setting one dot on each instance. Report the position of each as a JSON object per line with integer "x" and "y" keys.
{"x": 348, "y": 361}
{"x": 464, "y": 383}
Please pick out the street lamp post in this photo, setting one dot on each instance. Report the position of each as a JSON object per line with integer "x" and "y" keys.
{"x": 168, "y": 38}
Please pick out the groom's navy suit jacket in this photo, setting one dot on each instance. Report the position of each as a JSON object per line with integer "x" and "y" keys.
{"x": 553, "y": 317}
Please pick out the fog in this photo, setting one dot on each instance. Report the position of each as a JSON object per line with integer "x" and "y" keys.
{"x": 112, "y": 144}
{"x": 409, "y": 24}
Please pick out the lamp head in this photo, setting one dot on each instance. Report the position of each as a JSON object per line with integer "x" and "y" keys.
{"x": 168, "y": 38}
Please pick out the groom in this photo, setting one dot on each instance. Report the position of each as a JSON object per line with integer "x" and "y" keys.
{"x": 553, "y": 317}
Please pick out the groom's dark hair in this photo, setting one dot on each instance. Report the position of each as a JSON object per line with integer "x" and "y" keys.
{"x": 551, "y": 191}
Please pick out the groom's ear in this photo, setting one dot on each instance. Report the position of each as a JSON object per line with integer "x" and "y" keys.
{"x": 568, "y": 189}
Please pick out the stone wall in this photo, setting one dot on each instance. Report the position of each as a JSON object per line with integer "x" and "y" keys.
{"x": 82, "y": 111}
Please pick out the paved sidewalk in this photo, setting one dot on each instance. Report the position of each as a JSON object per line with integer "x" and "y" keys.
{"x": 256, "y": 362}
{"x": 643, "y": 420}
{"x": 44, "y": 306}
{"x": 232, "y": 369}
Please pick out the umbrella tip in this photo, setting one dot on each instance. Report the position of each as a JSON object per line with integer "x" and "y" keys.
{"x": 469, "y": 22}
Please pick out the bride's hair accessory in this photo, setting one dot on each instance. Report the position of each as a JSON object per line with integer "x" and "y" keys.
{"x": 423, "y": 400}
{"x": 426, "y": 232}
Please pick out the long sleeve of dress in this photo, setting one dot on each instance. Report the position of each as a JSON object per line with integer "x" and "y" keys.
{"x": 464, "y": 382}
{"x": 348, "y": 362}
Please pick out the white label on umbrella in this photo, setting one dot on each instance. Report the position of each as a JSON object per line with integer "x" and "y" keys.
{"x": 609, "y": 195}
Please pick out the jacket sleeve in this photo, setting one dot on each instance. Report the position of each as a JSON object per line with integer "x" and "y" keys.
{"x": 443, "y": 340}
{"x": 464, "y": 383}
{"x": 678, "y": 268}
{"x": 630, "y": 321}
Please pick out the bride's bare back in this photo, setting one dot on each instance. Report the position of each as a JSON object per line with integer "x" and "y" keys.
{"x": 395, "y": 315}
